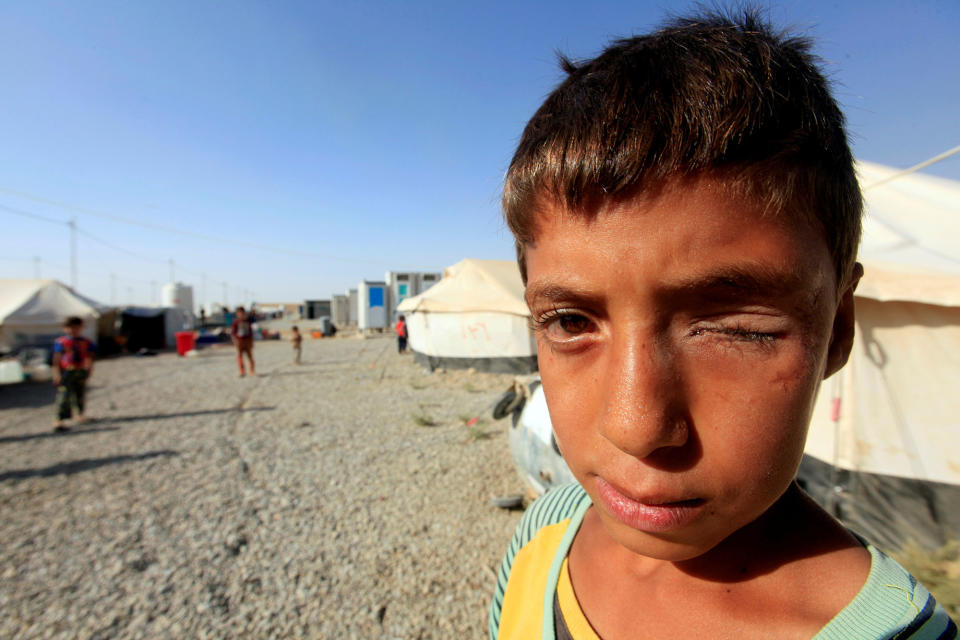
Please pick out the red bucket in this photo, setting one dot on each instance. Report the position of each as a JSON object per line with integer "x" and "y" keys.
{"x": 186, "y": 341}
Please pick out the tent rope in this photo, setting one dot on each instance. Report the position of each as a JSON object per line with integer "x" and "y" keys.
{"x": 915, "y": 168}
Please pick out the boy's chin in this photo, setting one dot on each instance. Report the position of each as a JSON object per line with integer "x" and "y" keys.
{"x": 673, "y": 547}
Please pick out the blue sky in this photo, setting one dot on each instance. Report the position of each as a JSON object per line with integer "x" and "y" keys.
{"x": 351, "y": 137}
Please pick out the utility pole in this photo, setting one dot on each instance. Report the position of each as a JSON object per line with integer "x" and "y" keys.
{"x": 36, "y": 267}
{"x": 73, "y": 253}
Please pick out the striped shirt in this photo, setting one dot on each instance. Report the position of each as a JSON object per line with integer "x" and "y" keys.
{"x": 75, "y": 353}
{"x": 891, "y": 604}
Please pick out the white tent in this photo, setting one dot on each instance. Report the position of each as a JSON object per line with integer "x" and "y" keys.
{"x": 475, "y": 316}
{"x": 32, "y": 312}
{"x": 884, "y": 447}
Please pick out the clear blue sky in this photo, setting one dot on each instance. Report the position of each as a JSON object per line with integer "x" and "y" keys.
{"x": 357, "y": 137}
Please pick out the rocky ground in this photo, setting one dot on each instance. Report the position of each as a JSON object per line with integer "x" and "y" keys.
{"x": 343, "y": 498}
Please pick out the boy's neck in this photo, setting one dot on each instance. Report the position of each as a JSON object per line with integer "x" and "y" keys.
{"x": 794, "y": 528}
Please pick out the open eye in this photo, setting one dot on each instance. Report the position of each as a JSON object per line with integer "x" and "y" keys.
{"x": 562, "y": 325}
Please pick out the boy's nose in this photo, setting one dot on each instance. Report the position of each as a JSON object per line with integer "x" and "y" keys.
{"x": 642, "y": 412}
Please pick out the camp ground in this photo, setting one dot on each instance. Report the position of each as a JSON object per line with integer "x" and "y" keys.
{"x": 883, "y": 453}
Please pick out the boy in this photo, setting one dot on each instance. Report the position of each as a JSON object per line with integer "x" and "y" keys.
{"x": 687, "y": 217}
{"x": 297, "y": 341}
{"x": 241, "y": 332}
{"x": 401, "y": 330}
{"x": 72, "y": 368}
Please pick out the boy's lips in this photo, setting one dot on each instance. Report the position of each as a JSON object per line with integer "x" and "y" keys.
{"x": 648, "y": 514}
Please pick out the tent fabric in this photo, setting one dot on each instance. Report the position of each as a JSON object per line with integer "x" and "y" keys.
{"x": 474, "y": 317}
{"x": 911, "y": 237}
{"x": 32, "y": 311}
{"x": 883, "y": 450}
{"x": 473, "y": 285}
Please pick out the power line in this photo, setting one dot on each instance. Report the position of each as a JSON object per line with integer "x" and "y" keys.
{"x": 182, "y": 232}
{"x": 97, "y": 239}
{"x": 89, "y": 235}
{"x": 27, "y": 214}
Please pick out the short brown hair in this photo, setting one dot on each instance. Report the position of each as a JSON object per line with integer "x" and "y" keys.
{"x": 705, "y": 95}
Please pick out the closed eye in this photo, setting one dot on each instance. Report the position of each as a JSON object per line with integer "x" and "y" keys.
{"x": 738, "y": 333}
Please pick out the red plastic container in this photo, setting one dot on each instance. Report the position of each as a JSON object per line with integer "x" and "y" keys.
{"x": 186, "y": 341}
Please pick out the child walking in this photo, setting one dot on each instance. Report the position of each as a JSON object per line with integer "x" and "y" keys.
{"x": 72, "y": 368}
{"x": 686, "y": 216}
{"x": 296, "y": 339}
{"x": 401, "y": 330}
{"x": 241, "y": 332}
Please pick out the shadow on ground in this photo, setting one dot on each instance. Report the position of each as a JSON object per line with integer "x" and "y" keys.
{"x": 182, "y": 414}
{"x": 27, "y": 394}
{"x": 76, "y": 466}
{"x": 52, "y": 434}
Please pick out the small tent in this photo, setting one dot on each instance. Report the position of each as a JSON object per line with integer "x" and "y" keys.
{"x": 883, "y": 452}
{"x": 32, "y": 312}
{"x": 475, "y": 316}
{"x": 152, "y": 327}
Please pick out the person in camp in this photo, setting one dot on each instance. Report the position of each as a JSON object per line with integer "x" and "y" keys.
{"x": 401, "y": 331}
{"x": 72, "y": 367}
{"x": 296, "y": 339}
{"x": 241, "y": 332}
{"x": 687, "y": 217}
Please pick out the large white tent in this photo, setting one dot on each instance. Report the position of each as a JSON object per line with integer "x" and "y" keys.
{"x": 32, "y": 312}
{"x": 884, "y": 446}
{"x": 475, "y": 316}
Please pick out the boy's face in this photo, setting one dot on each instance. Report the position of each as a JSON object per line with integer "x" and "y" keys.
{"x": 74, "y": 330}
{"x": 681, "y": 342}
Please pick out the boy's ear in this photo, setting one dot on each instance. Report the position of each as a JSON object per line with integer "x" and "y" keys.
{"x": 841, "y": 338}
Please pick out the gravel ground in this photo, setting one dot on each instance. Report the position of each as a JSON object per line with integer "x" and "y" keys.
{"x": 344, "y": 498}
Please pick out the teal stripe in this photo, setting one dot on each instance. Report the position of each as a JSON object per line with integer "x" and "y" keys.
{"x": 891, "y": 604}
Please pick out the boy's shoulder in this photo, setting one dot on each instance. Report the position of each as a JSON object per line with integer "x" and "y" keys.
{"x": 891, "y": 604}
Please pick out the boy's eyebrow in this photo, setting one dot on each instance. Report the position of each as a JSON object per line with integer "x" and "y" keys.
{"x": 754, "y": 282}
{"x": 724, "y": 283}
{"x": 553, "y": 292}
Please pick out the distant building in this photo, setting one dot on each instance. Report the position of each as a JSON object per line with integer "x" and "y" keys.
{"x": 406, "y": 284}
{"x": 340, "y": 310}
{"x": 372, "y": 301}
{"x": 352, "y": 308}
{"x": 313, "y": 309}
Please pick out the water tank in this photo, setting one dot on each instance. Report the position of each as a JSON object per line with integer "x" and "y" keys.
{"x": 177, "y": 294}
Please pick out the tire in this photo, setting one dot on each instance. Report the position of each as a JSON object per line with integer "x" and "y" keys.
{"x": 508, "y": 403}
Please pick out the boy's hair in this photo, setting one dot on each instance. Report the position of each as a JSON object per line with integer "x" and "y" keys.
{"x": 294, "y": 328}
{"x": 241, "y": 309}
{"x": 705, "y": 95}
{"x": 73, "y": 321}
{"x": 402, "y": 317}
